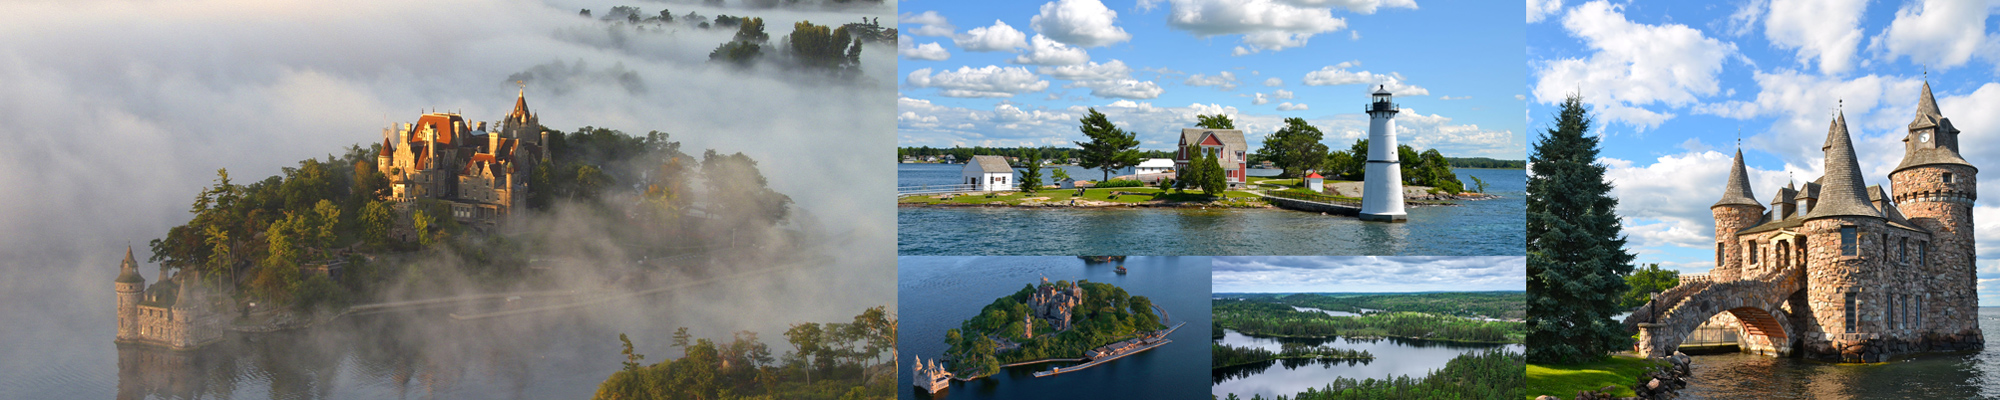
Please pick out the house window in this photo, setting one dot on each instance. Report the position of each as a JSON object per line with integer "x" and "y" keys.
{"x": 1849, "y": 321}
{"x": 1848, "y": 247}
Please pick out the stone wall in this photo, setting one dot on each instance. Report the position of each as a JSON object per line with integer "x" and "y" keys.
{"x": 1728, "y": 220}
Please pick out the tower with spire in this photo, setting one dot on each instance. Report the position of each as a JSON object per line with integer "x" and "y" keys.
{"x": 1738, "y": 209}
{"x": 1934, "y": 188}
{"x": 128, "y": 285}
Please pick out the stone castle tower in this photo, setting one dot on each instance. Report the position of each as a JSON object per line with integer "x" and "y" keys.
{"x": 1737, "y": 210}
{"x": 129, "y": 286}
{"x": 1935, "y": 187}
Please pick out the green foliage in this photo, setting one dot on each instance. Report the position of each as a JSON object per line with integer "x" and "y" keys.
{"x": 823, "y": 47}
{"x": 1576, "y": 255}
{"x": 1031, "y": 172}
{"x": 1483, "y": 162}
{"x": 743, "y": 367}
{"x": 1491, "y": 374}
{"x": 1223, "y": 355}
{"x": 1279, "y": 319}
{"x": 1059, "y": 174}
{"x": 975, "y": 345}
{"x": 632, "y": 358}
{"x": 1217, "y": 121}
{"x": 751, "y": 30}
{"x": 1294, "y": 148}
{"x": 1646, "y": 281}
{"x": 1055, "y": 154}
{"x": 1428, "y": 168}
{"x": 1479, "y": 185}
{"x": 738, "y": 53}
{"x": 377, "y": 219}
{"x": 742, "y": 193}
{"x": 1214, "y": 180}
{"x": 1120, "y": 183}
{"x": 1109, "y": 148}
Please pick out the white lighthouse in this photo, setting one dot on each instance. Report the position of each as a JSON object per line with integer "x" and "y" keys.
{"x": 1382, "y": 189}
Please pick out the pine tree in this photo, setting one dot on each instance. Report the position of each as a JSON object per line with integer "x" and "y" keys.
{"x": 1109, "y": 148}
{"x": 1031, "y": 171}
{"x": 1576, "y": 255}
{"x": 1213, "y": 179}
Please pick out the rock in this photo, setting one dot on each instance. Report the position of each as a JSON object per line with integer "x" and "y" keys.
{"x": 1547, "y": 397}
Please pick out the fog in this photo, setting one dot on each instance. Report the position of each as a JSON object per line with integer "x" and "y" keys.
{"x": 115, "y": 114}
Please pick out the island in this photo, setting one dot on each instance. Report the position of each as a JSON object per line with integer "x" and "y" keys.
{"x": 1081, "y": 322}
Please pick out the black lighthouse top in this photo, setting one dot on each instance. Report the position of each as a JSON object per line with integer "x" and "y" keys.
{"x": 1381, "y": 102}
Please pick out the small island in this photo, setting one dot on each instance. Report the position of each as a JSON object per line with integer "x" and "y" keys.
{"x": 1078, "y": 322}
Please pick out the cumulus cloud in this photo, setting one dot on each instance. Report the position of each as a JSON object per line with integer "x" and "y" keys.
{"x": 988, "y": 81}
{"x": 1632, "y": 65}
{"x": 1540, "y": 9}
{"x": 1288, "y": 106}
{"x": 1120, "y": 88}
{"x": 1081, "y": 23}
{"x": 1045, "y": 51}
{"x": 1366, "y": 274}
{"x": 1274, "y": 82}
{"x": 1357, "y": 6}
{"x": 998, "y": 37}
{"x": 1281, "y": 94}
{"x": 1265, "y": 24}
{"x": 1259, "y": 99}
{"x": 928, "y": 23}
{"x": 1335, "y": 75}
{"x": 909, "y": 49}
{"x": 1225, "y": 80}
{"x": 1826, "y": 30}
{"x": 1091, "y": 71}
{"x": 1937, "y": 33}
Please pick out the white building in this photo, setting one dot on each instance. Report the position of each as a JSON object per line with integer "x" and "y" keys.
{"x": 1154, "y": 166}
{"x": 1382, "y": 188}
{"x": 988, "y": 174}
{"x": 1316, "y": 183}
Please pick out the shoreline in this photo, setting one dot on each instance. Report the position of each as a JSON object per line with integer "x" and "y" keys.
{"x": 1292, "y": 358}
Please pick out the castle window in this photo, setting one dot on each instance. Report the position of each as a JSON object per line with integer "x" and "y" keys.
{"x": 1718, "y": 254}
{"x": 1849, "y": 321}
{"x": 1753, "y": 251}
{"x": 1947, "y": 177}
{"x": 1890, "y": 313}
{"x": 1848, "y": 245}
{"x": 1903, "y": 251}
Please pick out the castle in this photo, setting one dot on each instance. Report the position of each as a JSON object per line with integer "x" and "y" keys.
{"x": 481, "y": 174}
{"x": 177, "y": 312}
{"x": 1840, "y": 270}
{"x": 1054, "y": 303}
{"x": 931, "y": 376}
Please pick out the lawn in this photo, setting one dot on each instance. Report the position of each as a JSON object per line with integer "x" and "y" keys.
{"x": 1565, "y": 380}
{"x": 1131, "y": 195}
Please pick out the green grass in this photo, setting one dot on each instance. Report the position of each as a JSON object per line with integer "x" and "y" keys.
{"x": 1130, "y": 195}
{"x": 1565, "y": 380}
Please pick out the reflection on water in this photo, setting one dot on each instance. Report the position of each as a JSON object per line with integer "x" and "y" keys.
{"x": 1943, "y": 376}
{"x": 1393, "y": 357}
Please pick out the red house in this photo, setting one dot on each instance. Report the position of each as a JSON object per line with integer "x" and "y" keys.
{"x": 1226, "y": 144}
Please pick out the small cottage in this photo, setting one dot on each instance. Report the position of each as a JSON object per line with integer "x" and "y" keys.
{"x": 988, "y": 174}
{"x": 1316, "y": 183}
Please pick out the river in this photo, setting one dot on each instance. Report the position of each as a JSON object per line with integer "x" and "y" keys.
{"x": 1393, "y": 356}
{"x": 937, "y": 293}
{"x": 1950, "y": 376}
{"x": 1484, "y": 228}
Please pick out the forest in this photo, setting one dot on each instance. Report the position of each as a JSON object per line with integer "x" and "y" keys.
{"x": 1263, "y": 318}
{"x": 1492, "y": 374}
{"x": 1223, "y": 355}
{"x": 828, "y": 361}
{"x": 978, "y": 345}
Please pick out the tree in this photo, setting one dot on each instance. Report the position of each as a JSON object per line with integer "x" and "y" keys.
{"x": 1294, "y": 148}
{"x": 819, "y": 46}
{"x": 1059, "y": 174}
{"x": 1576, "y": 255}
{"x": 751, "y": 30}
{"x": 1109, "y": 148}
{"x": 1350, "y": 164}
{"x": 1217, "y": 121}
{"x": 1479, "y": 185}
{"x": 1213, "y": 181}
{"x": 632, "y": 358}
{"x": 1645, "y": 282}
{"x": 423, "y": 221}
{"x": 1031, "y": 172}
{"x": 738, "y": 53}
{"x": 377, "y": 218}
{"x": 806, "y": 343}
{"x": 328, "y": 217}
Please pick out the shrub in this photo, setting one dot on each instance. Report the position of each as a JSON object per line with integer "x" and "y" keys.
{"x": 1120, "y": 183}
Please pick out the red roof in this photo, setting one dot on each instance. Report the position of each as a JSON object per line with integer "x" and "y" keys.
{"x": 1315, "y": 175}
{"x": 446, "y": 126}
{"x": 1211, "y": 141}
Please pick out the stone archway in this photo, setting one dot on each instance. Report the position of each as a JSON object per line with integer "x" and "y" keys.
{"x": 1758, "y": 303}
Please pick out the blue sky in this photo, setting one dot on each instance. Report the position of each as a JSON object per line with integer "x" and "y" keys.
{"x": 1367, "y": 274}
{"x": 1153, "y": 65}
{"x": 1671, "y": 85}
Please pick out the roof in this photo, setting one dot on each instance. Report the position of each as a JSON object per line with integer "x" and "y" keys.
{"x": 1929, "y": 117}
{"x": 1843, "y": 192}
{"x": 1382, "y": 89}
{"x": 1737, "y": 192}
{"x": 1927, "y": 110}
{"x": 1157, "y": 163}
{"x": 990, "y": 164}
{"x": 1785, "y": 195}
{"x": 128, "y": 271}
{"x": 1315, "y": 175}
{"x": 520, "y": 106}
{"x": 446, "y": 125}
{"x": 1810, "y": 190}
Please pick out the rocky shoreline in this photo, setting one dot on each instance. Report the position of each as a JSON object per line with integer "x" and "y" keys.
{"x": 1660, "y": 383}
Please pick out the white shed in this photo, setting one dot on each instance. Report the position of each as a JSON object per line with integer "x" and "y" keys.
{"x": 1154, "y": 166}
{"x": 1316, "y": 183}
{"x": 988, "y": 174}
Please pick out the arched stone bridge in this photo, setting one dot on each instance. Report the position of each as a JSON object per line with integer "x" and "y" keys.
{"x": 1757, "y": 301}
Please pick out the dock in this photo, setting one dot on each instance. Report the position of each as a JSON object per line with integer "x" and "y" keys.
{"x": 1094, "y": 362}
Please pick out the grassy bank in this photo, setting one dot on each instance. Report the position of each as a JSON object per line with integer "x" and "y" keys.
{"x": 1565, "y": 380}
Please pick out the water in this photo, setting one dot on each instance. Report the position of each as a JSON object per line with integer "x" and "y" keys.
{"x": 1328, "y": 312}
{"x": 950, "y": 174}
{"x": 1393, "y": 357}
{"x": 1945, "y": 376}
{"x": 937, "y": 293}
{"x": 1483, "y": 228}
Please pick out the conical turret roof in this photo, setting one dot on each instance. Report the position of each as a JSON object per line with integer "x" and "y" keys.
{"x": 1946, "y": 149}
{"x": 1738, "y": 192}
{"x": 520, "y": 105}
{"x": 128, "y": 271}
{"x": 1843, "y": 192}
{"x": 1927, "y": 110}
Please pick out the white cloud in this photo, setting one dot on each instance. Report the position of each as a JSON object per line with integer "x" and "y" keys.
{"x": 1120, "y": 88}
{"x": 1091, "y": 71}
{"x": 998, "y": 37}
{"x": 1357, "y": 6}
{"x": 988, "y": 81}
{"x": 1082, "y": 23}
{"x": 1336, "y": 75}
{"x": 1632, "y": 65}
{"x": 1274, "y": 82}
{"x": 1827, "y": 30}
{"x": 909, "y": 49}
{"x": 1539, "y": 9}
{"x": 1259, "y": 99}
{"x": 1225, "y": 80}
{"x": 1453, "y": 98}
{"x": 1674, "y": 193}
{"x": 1745, "y": 19}
{"x": 929, "y": 23}
{"x": 1156, "y": 127}
{"x": 1520, "y": 97}
{"x": 1265, "y": 24}
{"x": 1045, "y": 51}
{"x": 1937, "y": 33}
{"x": 1281, "y": 94}
{"x": 1288, "y": 106}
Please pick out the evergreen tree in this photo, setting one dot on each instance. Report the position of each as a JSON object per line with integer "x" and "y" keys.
{"x": 1294, "y": 148}
{"x": 1576, "y": 256}
{"x": 1109, "y": 148}
{"x": 1213, "y": 180}
{"x": 1031, "y": 171}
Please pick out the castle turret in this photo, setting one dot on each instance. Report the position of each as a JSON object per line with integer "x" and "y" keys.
{"x": 1382, "y": 191}
{"x": 129, "y": 286}
{"x": 1934, "y": 187}
{"x": 1845, "y": 239}
{"x": 1737, "y": 210}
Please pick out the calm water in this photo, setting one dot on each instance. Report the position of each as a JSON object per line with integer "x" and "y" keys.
{"x": 936, "y": 293}
{"x": 1328, "y": 312}
{"x": 1415, "y": 358}
{"x": 1485, "y": 228}
{"x": 1960, "y": 376}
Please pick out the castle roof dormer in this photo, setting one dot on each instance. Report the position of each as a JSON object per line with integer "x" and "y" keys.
{"x": 1738, "y": 191}
{"x": 1843, "y": 193}
{"x": 128, "y": 271}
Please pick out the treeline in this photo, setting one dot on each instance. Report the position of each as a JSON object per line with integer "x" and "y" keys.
{"x": 1502, "y": 305}
{"x": 1483, "y": 162}
{"x": 1273, "y": 319}
{"x": 1107, "y": 315}
{"x": 828, "y": 361}
{"x": 1060, "y": 154}
{"x": 1226, "y": 355}
{"x": 1491, "y": 375}
{"x": 820, "y": 47}
{"x": 1428, "y": 168}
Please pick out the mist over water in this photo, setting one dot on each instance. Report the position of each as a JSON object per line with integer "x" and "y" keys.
{"x": 118, "y": 114}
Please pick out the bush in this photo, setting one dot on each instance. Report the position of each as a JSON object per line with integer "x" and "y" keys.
{"x": 1120, "y": 183}
{"x": 1166, "y": 183}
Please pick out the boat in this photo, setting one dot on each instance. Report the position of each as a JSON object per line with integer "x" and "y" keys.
{"x": 1121, "y": 269}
